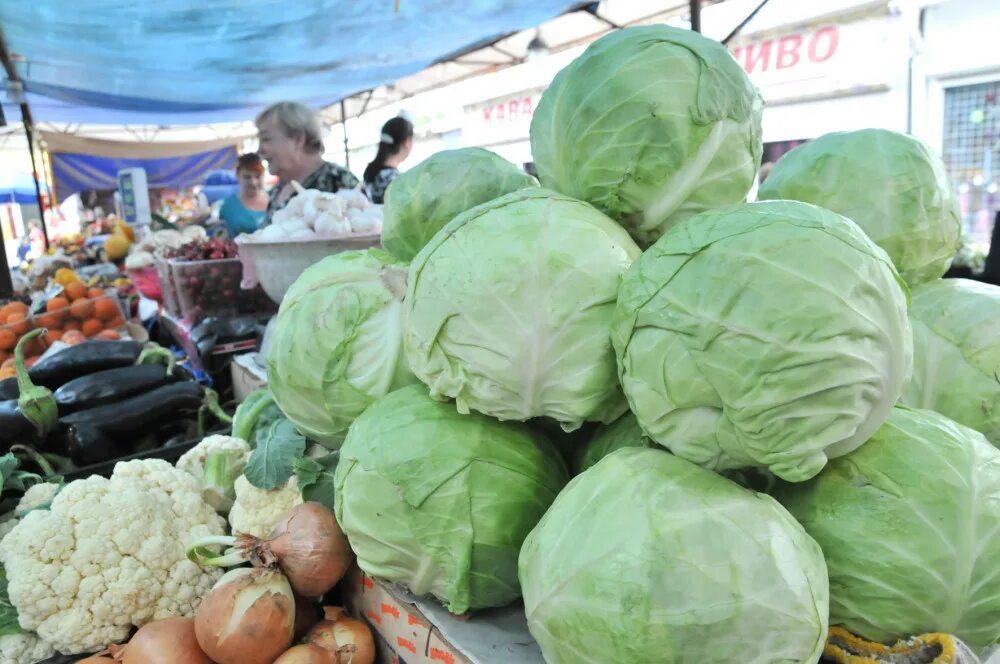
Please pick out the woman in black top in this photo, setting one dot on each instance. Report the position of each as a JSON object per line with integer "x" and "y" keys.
{"x": 394, "y": 146}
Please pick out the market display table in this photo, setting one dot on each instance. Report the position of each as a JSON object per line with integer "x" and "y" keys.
{"x": 411, "y": 630}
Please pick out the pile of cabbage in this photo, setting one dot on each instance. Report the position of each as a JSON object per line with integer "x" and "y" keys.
{"x": 779, "y": 417}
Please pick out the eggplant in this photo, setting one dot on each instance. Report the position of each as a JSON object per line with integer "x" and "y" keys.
{"x": 8, "y": 388}
{"x": 139, "y": 412}
{"x": 14, "y": 426}
{"x": 82, "y": 359}
{"x": 110, "y": 386}
{"x": 86, "y": 444}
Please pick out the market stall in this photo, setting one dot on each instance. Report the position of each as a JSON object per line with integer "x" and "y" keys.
{"x": 617, "y": 414}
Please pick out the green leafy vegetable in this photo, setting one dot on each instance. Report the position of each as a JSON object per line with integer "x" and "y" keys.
{"x": 956, "y": 353}
{"x": 273, "y": 459}
{"x": 890, "y": 184}
{"x": 769, "y": 334}
{"x": 648, "y": 558}
{"x": 256, "y": 412}
{"x": 509, "y": 309}
{"x": 337, "y": 343}
{"x": 651, "y": 125}
{"x": 440, "y": 501}
{"x": 317, "y": 480}
{"x": 623, "y": 432}
{"x": 908, "y": 523}
{"x": 426, "y": 197}
{"x": 37, "y": 403}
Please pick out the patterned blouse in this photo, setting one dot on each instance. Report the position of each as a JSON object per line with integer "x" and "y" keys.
{"x": 328, "y": 177}
{"x": 376, "y": 188}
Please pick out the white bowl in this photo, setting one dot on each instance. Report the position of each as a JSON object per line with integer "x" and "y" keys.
{"x": 275, "y": 265}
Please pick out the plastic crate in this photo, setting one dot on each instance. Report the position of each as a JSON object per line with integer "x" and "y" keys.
{"x": 90, "y": 316}
{"x": 207, "y": 288}
{"x": 10, "y": 334}
{"x": 167, "y": 289}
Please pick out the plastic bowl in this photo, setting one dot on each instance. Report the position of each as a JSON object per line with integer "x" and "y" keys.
{"x": 275, "y": 265}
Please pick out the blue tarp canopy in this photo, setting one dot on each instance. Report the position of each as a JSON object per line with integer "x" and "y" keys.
{"x": 19, "y": 188}
{"x": 186, "y": 62}
{"x": 81, "y": 164}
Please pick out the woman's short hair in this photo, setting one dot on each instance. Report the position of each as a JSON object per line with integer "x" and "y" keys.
{"x": 250, "y": 161}
{"x": 296, "y": 120}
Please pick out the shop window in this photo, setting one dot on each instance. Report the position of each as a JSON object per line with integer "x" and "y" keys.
{"x": 972, "y": 155}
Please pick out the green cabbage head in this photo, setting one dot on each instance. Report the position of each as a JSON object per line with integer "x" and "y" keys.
{"x": 890, "y": 184}
{"x": 623, "y": 432}
{"x": 441, "y": 502}
{"x": 648, "y": 558}
{"x": 509, "y": 310}
{"x": 423, "y": 199}
{"x": 908, "y": 523}
{"x": 768, "y": 334}
{"x": 956, "y": 353}
{"x": 337, "y": 342}
{"x": 652, "y": 125}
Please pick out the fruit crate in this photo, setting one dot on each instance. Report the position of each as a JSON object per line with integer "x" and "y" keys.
{"x": 212, "y": 288}
{"x": 11, "y": 333}
{"x": 92, "y": 314}
{"x": 167, "y": 289}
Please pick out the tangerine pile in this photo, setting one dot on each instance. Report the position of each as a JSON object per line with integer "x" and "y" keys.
{"x": 79, "y": 309}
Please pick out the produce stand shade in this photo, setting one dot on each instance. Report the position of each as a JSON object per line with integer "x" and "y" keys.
{"x": 411, "y": 630}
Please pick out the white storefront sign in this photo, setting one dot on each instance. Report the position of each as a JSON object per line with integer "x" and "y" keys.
{"x": 819, "y": 61}
{"x": 500, "y": 120}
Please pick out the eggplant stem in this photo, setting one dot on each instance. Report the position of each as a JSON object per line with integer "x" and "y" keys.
{"x": 248, "y": 418}
{"x": 155, "y": 354}
{"x": 38, "y": 458}
{"x": 211, "y": 404}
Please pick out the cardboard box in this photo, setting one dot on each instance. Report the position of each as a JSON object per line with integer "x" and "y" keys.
{"x": 248, "y": 375}
{"x": 411, "y": 630}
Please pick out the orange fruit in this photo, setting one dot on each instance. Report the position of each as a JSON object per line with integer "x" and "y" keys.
{"x": 73, "y": 337}
{"x": 108, "y": 335}
{"x": 7, "y": 372}
{"x": 72, "y": 325}
{"x": 56, "y": 304}
{"x": 7, "y": 339}
{"x": 19, "y": 323}
{"x": 53, "y": 336}
{"x": 13, "y": 308}
{"x": 30, "y": 361}
{"x": 75, "y": 290}
{"x": 106, "y": 309}
{"x": 91, "y": 326}
{"x": 95, "y": 293}
{"x": 116, "y": 322}
{"x": 47, "y": 320}
{"x": 82, "y": 309}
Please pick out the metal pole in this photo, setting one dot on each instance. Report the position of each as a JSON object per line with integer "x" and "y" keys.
{"x": 13, "y": 76}
{"x": 695, "y": 15}
{"x": 6, "y": 284}
{"x": 343, "y": 124}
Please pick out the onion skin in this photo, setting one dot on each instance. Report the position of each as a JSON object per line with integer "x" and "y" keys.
{"x": 309, "y": 547}
{"x": 343, "y": 636}
{"x": 167, "y": 641}
{"x": 247, "y": 618}
{"x": 306, "y": 654}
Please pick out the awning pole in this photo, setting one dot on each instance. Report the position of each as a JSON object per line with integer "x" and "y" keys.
{"x": 12, "y": 75}
{"x": 343, "y": 123}
{"x": 695, "y": 15}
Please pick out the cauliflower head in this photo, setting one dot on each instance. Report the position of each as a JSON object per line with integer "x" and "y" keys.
{"x": 108, "y": 554}
{"x": 216, "y": 462}
{"x": 24, "y": 649}
{"x": 36, "y": 496}
{"x": 257, "y": 511}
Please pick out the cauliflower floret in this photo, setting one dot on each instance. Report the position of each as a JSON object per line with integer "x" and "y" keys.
{"x": 6, "y": 526}
{"x": 24, "y": 649}
{"x": 216, "y": 462}
{"x": 257, "y": 511}
{"x": 109, "y": 554}
{"x": 36, "y": 496}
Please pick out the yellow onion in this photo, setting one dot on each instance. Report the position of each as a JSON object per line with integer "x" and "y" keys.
{"x": 349, "y": 640}
{"x": 166, "y": 641}
{"x": 247, "y": 618}
{"x": 306, "y": 654}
